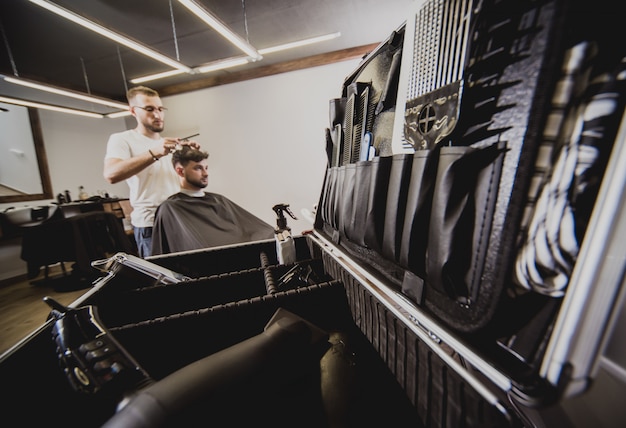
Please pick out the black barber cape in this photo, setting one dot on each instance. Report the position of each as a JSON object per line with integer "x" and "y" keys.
{"x": 184, "y": 222}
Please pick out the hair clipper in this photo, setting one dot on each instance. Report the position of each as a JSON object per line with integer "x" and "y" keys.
{"x": 92, "y": 359}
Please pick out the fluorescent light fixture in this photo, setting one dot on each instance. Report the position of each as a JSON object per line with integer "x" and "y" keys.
{"x": 49, "y": 107}
{"x": 214, "y": 22}
{"x": 65, "y": 93}
{"x": 223, "y": 63}
{"x": 110, "y": 34}
{"x": 235, "y": 61}
{"x": 118, "y": 114}
{"x": 156, "y": 76}
{"x": 299, "y": 43}
{"x": 220, "y": 64}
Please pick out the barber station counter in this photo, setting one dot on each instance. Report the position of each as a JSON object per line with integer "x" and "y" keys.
{"x": 71, "y": 209}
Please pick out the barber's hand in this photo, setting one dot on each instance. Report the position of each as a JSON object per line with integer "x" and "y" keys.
{"x": 169, "y": 145}
{"x": 191, "y": 143}
{"x": 172, "y": 144}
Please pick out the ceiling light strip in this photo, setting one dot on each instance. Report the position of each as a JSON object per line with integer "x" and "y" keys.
{"x": 223, "y": 63}
{"x": 118, "y": 114}
{"x": 215, "y": 23}
{"x": 65, "y": 93}
{"x": 156, "y": 76}
{"x": 299, "y": 43}
{"x": 118, "y": 38}
{"x": 50, "y": 107}
{"x": 235, "y": 61}
{"x": 205, "y": 68}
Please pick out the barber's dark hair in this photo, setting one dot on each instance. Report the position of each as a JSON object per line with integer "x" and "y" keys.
{"x": 186, "y": 154}
{"x": 133, "y": 92}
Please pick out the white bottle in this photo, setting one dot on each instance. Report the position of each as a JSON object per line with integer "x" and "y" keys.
{"x": 82, "y": 195}
{"x": 285, "y": 245}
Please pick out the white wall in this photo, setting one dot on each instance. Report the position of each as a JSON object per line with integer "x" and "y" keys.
{"x": 265, "y": 138}
{"x": 75, "y": 147}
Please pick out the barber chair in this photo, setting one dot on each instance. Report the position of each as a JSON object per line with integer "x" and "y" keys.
{"x": 17, "y": 222}
{"x": 81, "y": 238}
{"x": 98, "y": 235}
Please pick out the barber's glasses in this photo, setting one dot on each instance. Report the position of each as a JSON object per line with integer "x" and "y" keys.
{"x": 151, "y": 109}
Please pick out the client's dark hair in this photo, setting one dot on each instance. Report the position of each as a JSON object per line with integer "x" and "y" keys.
{"x": 186, "y": 154}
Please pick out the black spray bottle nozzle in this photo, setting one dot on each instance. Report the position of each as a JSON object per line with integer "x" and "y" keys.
{"x": 281, "y": 221}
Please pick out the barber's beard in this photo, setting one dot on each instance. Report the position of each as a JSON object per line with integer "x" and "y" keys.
{"x": 154, "y": 128}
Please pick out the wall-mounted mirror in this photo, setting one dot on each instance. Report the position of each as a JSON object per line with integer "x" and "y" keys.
{"x": 24, "y": 174}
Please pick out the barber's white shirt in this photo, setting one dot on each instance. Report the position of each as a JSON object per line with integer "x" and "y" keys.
{"x": 152, "y": 185}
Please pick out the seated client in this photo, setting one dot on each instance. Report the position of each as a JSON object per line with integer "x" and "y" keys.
{"x": 194, "y": 219}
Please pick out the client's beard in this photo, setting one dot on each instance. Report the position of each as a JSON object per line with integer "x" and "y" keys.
{"x": 197, "y": 183}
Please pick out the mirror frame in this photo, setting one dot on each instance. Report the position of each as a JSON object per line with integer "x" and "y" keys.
{"x": 42, "y": 161}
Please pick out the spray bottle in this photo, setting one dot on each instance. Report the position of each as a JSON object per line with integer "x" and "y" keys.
{"x": 285, "y": 245}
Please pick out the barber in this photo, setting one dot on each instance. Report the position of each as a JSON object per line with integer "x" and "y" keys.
{"x": 142, "y": 158}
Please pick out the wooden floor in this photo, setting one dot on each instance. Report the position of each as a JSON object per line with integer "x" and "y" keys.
{"x": 22, "y": 309}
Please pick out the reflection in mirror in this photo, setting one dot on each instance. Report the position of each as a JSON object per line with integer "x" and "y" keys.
{"x": 24, "y": 174}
